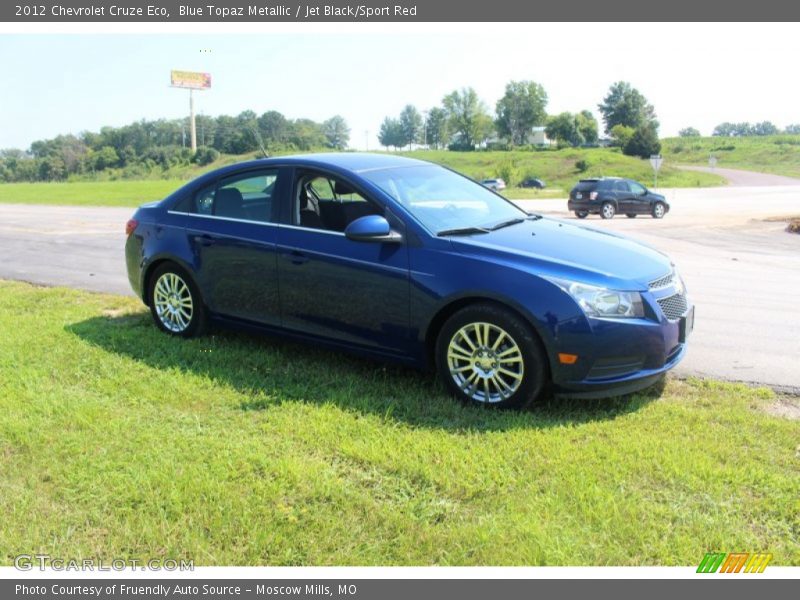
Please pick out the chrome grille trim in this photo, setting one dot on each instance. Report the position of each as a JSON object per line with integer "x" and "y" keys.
{"x": 662, "y": 282}
{"x": 674, "y": 307}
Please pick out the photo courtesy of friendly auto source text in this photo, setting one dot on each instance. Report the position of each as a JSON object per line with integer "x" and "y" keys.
{"x": 430, "y": 299}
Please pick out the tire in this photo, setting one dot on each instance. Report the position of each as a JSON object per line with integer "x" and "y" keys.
{"x": 659, "y": 210}
{"x": 175, "y": 302}
{"x": 608, "y": 210}
{"x": 581, "y": 214}
{"x": 630, "y": 215}
{"x": 510, "y": 375}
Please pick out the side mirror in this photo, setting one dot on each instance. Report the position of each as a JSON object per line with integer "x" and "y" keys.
{"x": 372, "y": 228}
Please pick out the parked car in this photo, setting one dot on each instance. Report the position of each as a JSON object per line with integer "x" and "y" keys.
{"x": 494, "y": 184}
{"x": 403, "y": 260}
{"x": 611, "y": 195}
{"x": 533, "y": 182}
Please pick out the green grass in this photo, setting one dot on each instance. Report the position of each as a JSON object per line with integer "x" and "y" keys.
{"x": 556, "y": 167}
{"x": 88, "y": 193}
{"x": 779, "y": 154}
{"x": 119, "y": 441}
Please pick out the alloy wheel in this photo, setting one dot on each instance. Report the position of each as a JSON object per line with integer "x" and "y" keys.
{"x": 485, "y": 362}
{"x": 173, "y": 302}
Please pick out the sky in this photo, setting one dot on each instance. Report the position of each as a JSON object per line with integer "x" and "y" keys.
{"x": 694, "y": 74}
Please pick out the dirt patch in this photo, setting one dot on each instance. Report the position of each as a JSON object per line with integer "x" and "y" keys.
{"x": 788, "y": 408}
{"x": 792, "y": 220}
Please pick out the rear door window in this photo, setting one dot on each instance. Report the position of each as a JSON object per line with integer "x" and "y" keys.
{"x": 621, "y": 186}
{"x": 247, "y": 196}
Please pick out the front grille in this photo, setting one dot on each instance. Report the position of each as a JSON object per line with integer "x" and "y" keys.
{"x": 662, "y": 282}
{"x": 674, "y": 306}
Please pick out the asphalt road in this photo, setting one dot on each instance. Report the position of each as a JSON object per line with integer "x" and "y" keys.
{"x": 739, "y": 178}
{"x": 742, "y": 270}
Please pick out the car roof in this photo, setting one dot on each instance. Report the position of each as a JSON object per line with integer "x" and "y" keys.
{"x": 356, "y": 162}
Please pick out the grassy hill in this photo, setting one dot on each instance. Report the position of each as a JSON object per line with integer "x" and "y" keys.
{"x": 559, "y": 168}
{"x": 777, "y": 154}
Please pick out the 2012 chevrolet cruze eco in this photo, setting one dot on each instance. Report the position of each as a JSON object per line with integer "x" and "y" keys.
{"x": 405, "y": 260}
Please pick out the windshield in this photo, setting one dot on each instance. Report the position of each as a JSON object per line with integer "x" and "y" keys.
{"x": 443, "y": 200}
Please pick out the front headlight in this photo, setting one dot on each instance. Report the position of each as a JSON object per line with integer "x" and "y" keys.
{"x": 603, "y": 302}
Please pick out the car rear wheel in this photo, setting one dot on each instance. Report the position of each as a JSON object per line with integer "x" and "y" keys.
{"x": 608, "y": 211}
{"x": 487, "y": 355}
{"x": 630, "y": 215}
{"x": 581, "y": 214}
{"x": 659, "y": 210}
{"x": 175, "y": 302}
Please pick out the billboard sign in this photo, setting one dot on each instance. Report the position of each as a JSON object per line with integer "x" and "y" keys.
{"x": 190, "y": 79}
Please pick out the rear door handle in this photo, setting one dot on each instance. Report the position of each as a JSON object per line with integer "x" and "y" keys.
{"x": 205, "y": 240}
{"x": 296, "y": 257}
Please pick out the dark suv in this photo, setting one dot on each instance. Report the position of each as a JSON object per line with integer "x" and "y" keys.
{"x": 611, "y": 195}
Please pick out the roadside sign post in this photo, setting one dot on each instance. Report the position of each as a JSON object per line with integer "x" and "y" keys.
{"x": 712, "y": 161}
{"x": 655, "y": 162}
{"x": 192, "y": 81}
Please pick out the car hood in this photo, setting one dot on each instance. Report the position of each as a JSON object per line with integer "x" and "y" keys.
{"x": 557, "y": 248}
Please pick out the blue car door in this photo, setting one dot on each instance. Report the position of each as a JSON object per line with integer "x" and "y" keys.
{"x": 232, "y": 231}
{"x": 350, "y": 291}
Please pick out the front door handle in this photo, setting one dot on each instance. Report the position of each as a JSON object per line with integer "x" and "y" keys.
{"x": 296, "y": 257}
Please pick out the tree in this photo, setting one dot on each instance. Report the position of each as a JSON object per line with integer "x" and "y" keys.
{"x": 436, "y": 131}
{"x": 793, "y": 129}
{"x": 765, "y": 128}
{"x": 564, "y": 129}
{"x": 306, "y": 134}
{"x": 104, "y": 158}
{"x": 727, "y": 129}
{"x": 621, "y": 134}
{"x": 391, "y": 134}
{"x": 521, "y": 108}
{"x": 337, "y": 132}
{"x": 410, "y": 125}
{"x": 587, "y": 126}
{"x": 689, "y": 132}
{"x": 644, "y": 142}
{"x": 625, "y": 105}
{"x": 467, "y": 117}
{"x": 274, "y": 127}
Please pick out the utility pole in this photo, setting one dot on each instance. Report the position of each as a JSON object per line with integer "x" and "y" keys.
{"x": 191, "y": 81}
{"x": 192, "y": 125}
{"x": 366, "y": 139}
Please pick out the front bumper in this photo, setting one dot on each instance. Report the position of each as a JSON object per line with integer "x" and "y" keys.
{"x": 618, "y": 357}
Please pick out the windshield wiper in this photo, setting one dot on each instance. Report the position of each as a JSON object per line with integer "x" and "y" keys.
{"x": 506, "y": 223}
{"x": 462, "y": 231}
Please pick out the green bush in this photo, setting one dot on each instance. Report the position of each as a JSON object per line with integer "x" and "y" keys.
{"x": 582, "y": 165}
{"x": 643, "y": 143}
{"x": 205, "y": 156}
{"x": 508, "y": 172}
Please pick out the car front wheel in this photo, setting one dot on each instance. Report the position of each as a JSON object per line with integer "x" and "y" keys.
{"x": 581, "y": 214}
{"x": 608, "y": 211}
{"x": 175, "y": 302}
{"x": 659, "y": 210}
{"x": 487, "y": 355}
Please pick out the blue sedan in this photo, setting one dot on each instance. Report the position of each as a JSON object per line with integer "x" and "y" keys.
{"x": 403, "y": 260}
